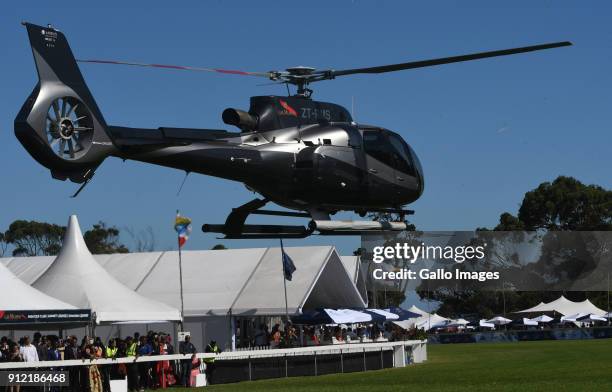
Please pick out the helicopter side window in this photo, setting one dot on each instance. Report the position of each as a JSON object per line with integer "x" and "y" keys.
{"x": 404, "y": 160}
{"x": 377, "y": 146}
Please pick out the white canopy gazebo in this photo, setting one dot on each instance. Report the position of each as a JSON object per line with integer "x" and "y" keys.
{"x": 22, "y": 305}
{"x": 75, "y": 277}
{"x": 566, "y": 307}
{"x": 19, "y": 296}
{"x": 219, "y": 285}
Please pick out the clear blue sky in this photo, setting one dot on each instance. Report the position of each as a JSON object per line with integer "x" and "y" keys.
{"x": 486, "y": 131}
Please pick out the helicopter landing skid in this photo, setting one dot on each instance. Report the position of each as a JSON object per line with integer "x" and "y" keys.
{"x": 235, "y": 227}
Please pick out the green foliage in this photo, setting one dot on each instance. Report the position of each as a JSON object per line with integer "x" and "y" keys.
{"x": 509, "y": 222}
{"x": 564, "y": 204}
{"x": 32, "y": 238}
{"x": 219, "y": 247}
{"x": 102, "y": 239}
{"x": 3, "y": 244}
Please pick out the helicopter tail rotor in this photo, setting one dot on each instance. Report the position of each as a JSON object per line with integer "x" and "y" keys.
{"x": 60, "y": 124}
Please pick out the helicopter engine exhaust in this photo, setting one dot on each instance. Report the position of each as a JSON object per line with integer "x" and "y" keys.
{"x": 239, "y": 118}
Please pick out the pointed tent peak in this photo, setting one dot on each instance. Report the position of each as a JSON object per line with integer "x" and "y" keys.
{"x": 73, "y": 239}
{"x": 415, "y": 309}
{"x": 92, "y": 287}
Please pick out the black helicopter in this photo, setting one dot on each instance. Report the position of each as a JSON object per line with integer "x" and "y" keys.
{"x": 302, "y": 154}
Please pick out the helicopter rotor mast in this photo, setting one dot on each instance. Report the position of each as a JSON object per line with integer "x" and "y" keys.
{"x": 302, "y": 76}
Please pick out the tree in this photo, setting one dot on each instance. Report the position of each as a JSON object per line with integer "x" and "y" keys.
{"x": 102, "y": 239}
{"x": 509, "y": 222}
{"x": 562, "y": 205}
{"x": 3, "y": 244}
{"x": 143, "y": 240}
{"x": 219, "y": 247}
{"x": 567, "y": 204}
{"x": 32, "y": 238}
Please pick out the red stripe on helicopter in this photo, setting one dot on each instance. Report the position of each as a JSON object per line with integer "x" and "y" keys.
{"x": 288, "y": 108}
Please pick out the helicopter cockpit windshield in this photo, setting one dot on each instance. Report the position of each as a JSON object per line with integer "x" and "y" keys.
{"x": 390, "y": 149}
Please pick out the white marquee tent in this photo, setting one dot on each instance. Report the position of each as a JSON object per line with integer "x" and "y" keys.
{"x": 542, "y": 319}
{"x": 75, "y": 277}
{"x": 566, "y": 307}
{"x": 499, "y": 320}
{"x": 17, "y": 295}
{"x": 427, "y": 321}
{"x": 218, "y": 284}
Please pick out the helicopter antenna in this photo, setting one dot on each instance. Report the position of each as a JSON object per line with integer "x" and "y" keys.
{"x": 183, "y": 183}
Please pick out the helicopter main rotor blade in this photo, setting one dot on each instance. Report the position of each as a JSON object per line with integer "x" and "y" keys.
{"x": 444, "y": 60}
{"x": 269, "y": 75}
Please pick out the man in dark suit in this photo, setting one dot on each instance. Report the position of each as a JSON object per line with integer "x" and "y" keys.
{"x": 186, "y": 348}
{"x": 71, "y": 352}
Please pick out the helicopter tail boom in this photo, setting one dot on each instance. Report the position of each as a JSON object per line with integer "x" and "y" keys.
{"x": 60, "y": 124}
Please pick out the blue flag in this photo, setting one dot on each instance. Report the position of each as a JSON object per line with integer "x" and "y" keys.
{"x": 288, "y": 266}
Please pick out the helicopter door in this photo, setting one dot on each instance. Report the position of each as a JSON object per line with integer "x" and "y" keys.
{"x": 380, "y": 161}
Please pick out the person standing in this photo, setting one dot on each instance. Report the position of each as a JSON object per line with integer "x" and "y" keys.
{"x": 132, "y": 368}
{"x": 28, "y": 351}
{"x": 186, "y": 348}
{"x": 144, "y": 368}
{"x": 210, "y": 362}
{"x": 71, "y": 352}
{"x": 14, "y": 355}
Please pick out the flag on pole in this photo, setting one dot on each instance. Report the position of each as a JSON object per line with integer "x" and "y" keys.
{"x": 182, "y": 225}
{"x": 288, "y": 266}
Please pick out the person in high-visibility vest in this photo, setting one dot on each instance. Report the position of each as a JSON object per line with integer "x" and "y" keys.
{"x": 111, "y": 349}
{"x": 132, "y": 368}
{"x": 210, "y": 362}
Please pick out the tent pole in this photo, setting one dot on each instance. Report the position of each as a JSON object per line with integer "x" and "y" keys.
{"x": 178, "y": 239}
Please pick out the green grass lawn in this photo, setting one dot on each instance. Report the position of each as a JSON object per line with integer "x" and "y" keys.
{"x": 574, "y": 365}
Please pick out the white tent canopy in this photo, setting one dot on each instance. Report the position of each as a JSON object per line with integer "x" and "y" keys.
{"x": 566, "y": 307}
{"x": 434, "y": 320}
{"x": 217, "y": 282}
{"x": 19, "y": 296}
{"x": 414, "y": 309}
{"x": 76, "y": 278}
{"x": 427, "y": 321}
{"x": 499, "y": 320}
{"x": 386, "y": 314}
{"x": 527, "y": 321}
{"x": 572, "y": 318}
{"x": 486, "y": 324}
{"x": 542, "y": 319}
{"x": 353, "y": 268}
{"x": 458, "y": 323}
{"x": 593, "y": 317}
{"x": 347, "y": 316}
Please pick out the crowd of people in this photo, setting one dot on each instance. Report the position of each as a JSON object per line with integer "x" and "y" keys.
{"x": 143, "y": 375}
{"x": 300, "y": 336}
{"x": 96, "y": 378}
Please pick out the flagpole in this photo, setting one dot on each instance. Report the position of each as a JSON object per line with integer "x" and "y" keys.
{"x": 178, "y": 241}
{"x": 284, "y": 282}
